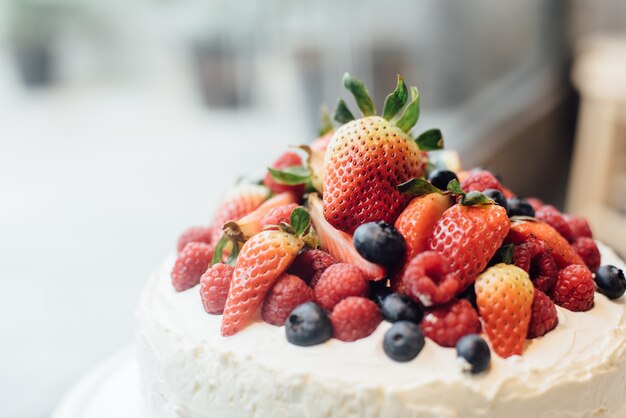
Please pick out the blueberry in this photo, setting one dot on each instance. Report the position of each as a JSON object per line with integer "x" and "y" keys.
{"x": 396, "y": 307}
{"x": 475, "y": 353}
{"x": 403, "y": 341}
{"x": 379, "y": 291}
{"x": 498, "y": 197}
{"x": 441, "y": 178}
{"x": 520, "y": 207}
{"x": 380, "y": 243}
{"x": 308, "y": 325}
{"x": 610, "y": 281}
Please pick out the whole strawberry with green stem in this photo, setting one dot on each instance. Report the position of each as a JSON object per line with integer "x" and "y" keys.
{"x": 368, "y": 157}
{"x": 262, "y": 259}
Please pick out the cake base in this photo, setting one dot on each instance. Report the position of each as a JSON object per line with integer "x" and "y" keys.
{"x": 189, "y": 370}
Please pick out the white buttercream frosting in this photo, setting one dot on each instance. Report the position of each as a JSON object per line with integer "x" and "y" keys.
{"x": 190, "y": 370}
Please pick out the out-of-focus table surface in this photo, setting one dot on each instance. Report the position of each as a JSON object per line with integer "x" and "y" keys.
{"x": 96, "y": 183}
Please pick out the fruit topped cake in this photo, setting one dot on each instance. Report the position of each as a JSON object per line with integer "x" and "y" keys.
{"x": 367, "y": 275}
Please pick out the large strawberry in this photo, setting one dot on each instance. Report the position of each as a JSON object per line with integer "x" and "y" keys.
{"x": 563, "y": 253}
{"x": 469, "y": 236}
{"x": 368, "y": 157}
{"x": 263, "y": 258}
{"x": 504, "y": 295}
{"x": 338, "y": 243}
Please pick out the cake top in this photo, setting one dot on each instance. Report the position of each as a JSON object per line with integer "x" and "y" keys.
{"x": 371, "y": 222}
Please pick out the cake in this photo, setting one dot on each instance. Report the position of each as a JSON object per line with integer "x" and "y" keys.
{"x": 398, "y": 289}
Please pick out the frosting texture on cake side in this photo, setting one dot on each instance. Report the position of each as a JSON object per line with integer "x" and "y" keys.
{"x": 189, "y": 370}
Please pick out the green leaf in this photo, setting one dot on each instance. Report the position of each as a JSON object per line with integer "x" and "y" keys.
{"x": 431, "y": 140}
{"x": 417, "y": 187}
{"x": 234, "y": 253}
{"x": 342, "y": 113}
{"x": 396, "y": 100}
{"x": 327, "y": 122}
{"x": 455, "y": 188}
{"x": 476, "y": 198}
{"x": 300, "y": 220}
{"x": 219, "y": 249}
{"x": 362, "y": 97}
{"x": 411, "y": 113}
{"x": 290, "y": 175}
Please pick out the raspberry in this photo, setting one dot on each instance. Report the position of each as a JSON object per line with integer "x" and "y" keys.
{"x": 534, "y": 257}
{"x": 587, "y": 249}
{"x": 214, "y": 285}
{"x": 446, "y": 324}
{"x": 195, "y": 234}
{"x": 574, "y": 288}
{"x": 480, "y": 181}
{"x": 543, "y": 318}
{"x": 354, "y": 318}
{"x": 338, "y": 282}
{"x": 191, "y": 263}
{"x": 309, "y": 265}
{"x": 550, "y": 215}
{"x": 278, "y": 215}
{"x": 427, "y": 279}
{"x": 534, "y": 202}
{"x": 579, "y": 226}
{"x": 288, "y": 292}
{"x": 288, "y": 159}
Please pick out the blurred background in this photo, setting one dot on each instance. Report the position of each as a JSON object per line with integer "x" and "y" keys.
{"x": 123, "y": 121}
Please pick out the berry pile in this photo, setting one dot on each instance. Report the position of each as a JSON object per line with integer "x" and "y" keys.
{"x": 354, "y": 229}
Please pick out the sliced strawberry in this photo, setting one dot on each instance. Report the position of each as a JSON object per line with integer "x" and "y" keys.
{"x": 238, "y": 202}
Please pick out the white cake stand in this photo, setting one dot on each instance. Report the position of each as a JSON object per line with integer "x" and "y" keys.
{"x": 111, "y": 389}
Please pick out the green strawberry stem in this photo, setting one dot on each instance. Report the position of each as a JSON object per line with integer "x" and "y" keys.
{"x": 342, "y": 113}
{"x": 396, "y": 100}
{"x": 469, "y": 199}
{"x": 431, "y": 140}
{"x": 412, "y": 112}
{"x": 420, "y": 187}
{"x": 360, "y": 93}
{"x": 221, "y": 246}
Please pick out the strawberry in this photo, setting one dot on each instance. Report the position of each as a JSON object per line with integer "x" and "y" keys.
{"x": 446, "y": 324}
{"x": 368, "y": 157}
{"x": 191, "y": 263}
{"x": 278, "y": 215}
{"x": 417, "y": 221}
{"x": 564, "y": 255}
{"x": 468, "y": 237}
{"x": 316, "y": 160}
{"x": 574, "y": 288}
{"x": 287, "y": 160}
{"x": 263, "y": 258}
{"x": 543, "y": 317}
{"x": 288, "y": 292}
{"x": 238, "y": 202}
{"x": 550, "y": 215}
{"x": 195, "y": 234}
{"x": 338, "y": 243}
{"x": 214, "y": 286}
{"x": 504, "y": 295}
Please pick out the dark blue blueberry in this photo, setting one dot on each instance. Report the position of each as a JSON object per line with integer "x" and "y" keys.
{"x": 403, "y": 341}
{"x": 441, "y": 178}
{"x": 498, "y": 197}
{"x": 610, "y": 281}
{"x": 380, "y": 243}
{"x": 379, "y": 291}
{"x": 520, "y": 207}
{"x": 308, "y": 324}
{"x": 475, "y": 351}
{"x": 396, "y": 307}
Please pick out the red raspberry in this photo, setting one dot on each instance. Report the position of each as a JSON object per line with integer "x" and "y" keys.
{"x": 587, "y": 249}
{"x": 534, "y": 202}
{"x": 191, "y": 263}
{"x": 354, "y": 318}
{"x": 574, "y": 288}
{"x": 446, "y": 324}
{"x": 288, "y": 292}
{"x": 480, "y": 181}
{"x": 214, "y": 285}
{"x": 550, "y": 215}
{"x": 427, "y": 279}
{"x": 309, "y": 265}
{"x": 535, "y": 258}
{"x": 543, "y": 318}
{"x": 579, "y": 226}
{"x": 278, "y": 215}
{"x": 195, "y": 234}
{"x": 338, "y": 282}
{"x": 288, "y": 159}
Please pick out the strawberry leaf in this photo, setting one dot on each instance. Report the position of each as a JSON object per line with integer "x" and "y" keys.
{"x": 362, "y": 97}
{"x": 219, "y": 250}
{"x": 342, "y": 113}
{"x": 431, "y": 140}
{"x": 327, "y": 122}
{"x": 417, "y": 187}
{"x": 290, "y": 175}
{"x": 300, "y": 220}
{"x": 396, "y": 100}
{"x": 476, "y": 198}
{"x": 411, "y": 113}
{"x": 455, "y": 188}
